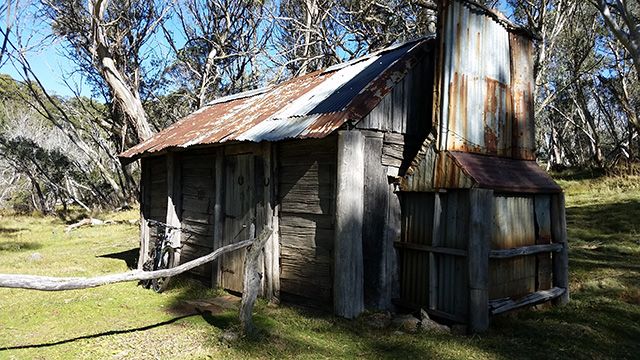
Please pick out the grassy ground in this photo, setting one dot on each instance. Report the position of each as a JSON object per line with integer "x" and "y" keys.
{"x": 124, "y": 321}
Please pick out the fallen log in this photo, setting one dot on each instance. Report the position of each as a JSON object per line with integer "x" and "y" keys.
{"x": 52, "y": 283}
{"x": 97, "y": 222}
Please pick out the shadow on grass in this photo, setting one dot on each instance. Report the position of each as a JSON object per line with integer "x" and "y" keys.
{"x": 129, "y": 256}
{"x": 15, "y": 246}
{"x": 599, "y": 222}
{"x": 206, "y": 315}
{"x": 9, "y": 231}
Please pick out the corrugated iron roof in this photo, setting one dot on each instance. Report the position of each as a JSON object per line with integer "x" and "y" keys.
{"x": 310, "y": 106}
{"x": 505, "y": 174}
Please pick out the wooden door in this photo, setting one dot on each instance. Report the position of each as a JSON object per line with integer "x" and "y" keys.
{"x": 239, "y": 217}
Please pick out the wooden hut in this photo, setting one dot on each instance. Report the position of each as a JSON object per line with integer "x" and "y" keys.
{"x": 405, "y": 177}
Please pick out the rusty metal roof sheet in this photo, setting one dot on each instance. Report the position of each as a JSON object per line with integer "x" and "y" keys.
{"x": 310, "y": 106}
{"x": 505, "y": 174}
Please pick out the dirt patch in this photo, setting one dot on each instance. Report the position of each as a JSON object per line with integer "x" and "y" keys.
{"x": 215, "y": 306}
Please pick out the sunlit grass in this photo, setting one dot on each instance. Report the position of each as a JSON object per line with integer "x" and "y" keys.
{"x": 124, "y": 321}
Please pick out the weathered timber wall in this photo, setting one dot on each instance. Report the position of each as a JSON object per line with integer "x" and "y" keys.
{"x": 306, "y": 178}
{"x": 198, "y": 202}
{"x": 404, "y": 116}
{"x": 380, "y": 227}
{"x": 157, "y": 194}
{"x": 153, "y": 202}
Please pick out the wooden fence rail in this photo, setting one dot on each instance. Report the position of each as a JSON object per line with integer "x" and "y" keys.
{"x": 51, "y": 283}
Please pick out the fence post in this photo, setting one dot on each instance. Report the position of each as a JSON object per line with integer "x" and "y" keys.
{"x": 560, "y": 259}
{"x": 480, "y": 227}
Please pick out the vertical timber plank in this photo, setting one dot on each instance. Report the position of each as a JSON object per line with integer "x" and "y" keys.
{"x": 560, "y": 259}
{"x": 393, "y": 232}
{"x": 272, "y": 247}
{"x": 218, "y": 213}
{"x": 144, "y": 211}
{"x": 348, "y": 297}
{"x": 274, "y": 180}
{"x": 436, "y": 241}
{"x": 542, "y": 205}
{"x": 480, "y": 227}
{"x": 376, "y": 192}
{"x": 174, "y": 199}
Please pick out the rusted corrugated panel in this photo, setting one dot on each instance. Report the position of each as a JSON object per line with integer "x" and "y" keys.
{"x": 476, "y": 81}
{"x": 514, "y": 226}
{"x": 417, "y": 228}
{"x": 311, "y": 106}
{"x": 522, "y": 90}
{"x": 449, "y": 175}
{"x": 505, "y": 174}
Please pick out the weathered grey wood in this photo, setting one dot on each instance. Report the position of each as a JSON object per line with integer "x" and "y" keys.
{"x": 501, "y": 305}
{"x": 239, "y": 215}
{"x": 376, "y": 203}
{"x": 348, "y": 298}
{"x": 269, "y": 255}
{"x": 191, "y": 251}
{"x": 274, "y": 214}
{"x": 202, "y": 205}
{"x": 296, "y": 152}
{"x": 309, "y": 222}
{"x": 560, "y": 259}
{"x": 307, "y": 238}
{"x": 252, "y": 277}
{"x": 305, "y": 186}
{"x": 542, "y": 204}
{"x": 480, "y": 228}
{"x": 392, "y": 232}
{"x": 524, "y": 250}
{"x": 436, "y": 240}
{"x": 432, "y": 249}
{"x": 174, "y": 200}
{"x": 50, "y": 283}
{"x": 144, "y": 211}
{"x": 307, "y": 173}
{"x": 218, "y": 214}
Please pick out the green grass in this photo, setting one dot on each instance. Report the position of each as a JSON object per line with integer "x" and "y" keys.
{"x": 124, "y": 321}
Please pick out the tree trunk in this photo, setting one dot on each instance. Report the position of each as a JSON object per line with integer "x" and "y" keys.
{"x": 126, "y": 95}
{"x": 251, "y": 281}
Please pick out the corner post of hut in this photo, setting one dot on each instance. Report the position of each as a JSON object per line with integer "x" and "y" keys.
{"x": 348, "y": 295}
{"x": 480, "y": 229}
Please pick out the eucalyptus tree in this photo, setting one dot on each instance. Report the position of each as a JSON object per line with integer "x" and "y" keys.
{"x": 219, "y": 47}
{"x": 314, "y": 34}
{"x": 622, "y": 18}
{"x": 112, "y": 42}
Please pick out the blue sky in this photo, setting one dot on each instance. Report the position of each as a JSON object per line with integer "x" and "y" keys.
{"x": 49, "y": 67}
